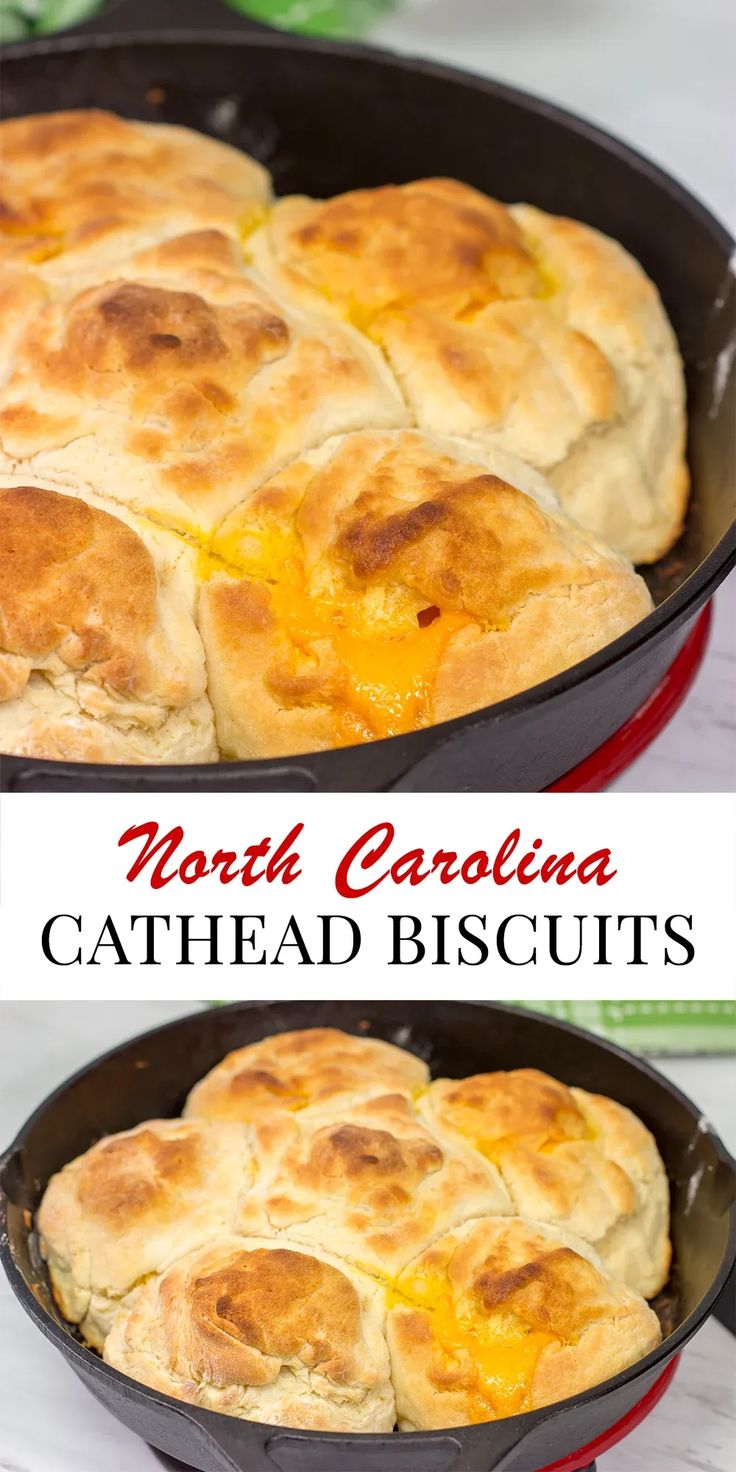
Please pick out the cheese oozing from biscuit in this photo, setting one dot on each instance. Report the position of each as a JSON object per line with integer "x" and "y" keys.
{"x": 390, "y": 580}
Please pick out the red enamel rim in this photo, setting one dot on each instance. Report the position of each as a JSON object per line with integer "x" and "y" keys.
{"x": 581, "y": 1459}
{"x": 626, "y": 744}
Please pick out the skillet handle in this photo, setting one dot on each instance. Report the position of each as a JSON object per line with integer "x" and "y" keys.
{"x": 290, "y": 1452}
{"x": 238, "y": 1446}
{"x": 17, "y": 775}
{"x": 128, "y": 16}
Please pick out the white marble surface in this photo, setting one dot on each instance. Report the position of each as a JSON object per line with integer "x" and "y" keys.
{"x": 659, "y": 73}
{"x": 48, "y": 1421}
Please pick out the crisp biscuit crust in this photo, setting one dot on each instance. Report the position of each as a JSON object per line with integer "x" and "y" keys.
{"x": 531, "y": 334}
{"x": 636, "y": 1249}
{"x": 263, "y": 1331}
{"x": 100, "y": 659}
{"x": 434, "y": 240}
{"x": 569, "y": 1158}
{"x": 318, "y": 1066}
{"x": 504, "y": 1316}
{"x": 85, "y": 188}
{"x": 133, "y": 1203}
{"x": 180, "y": 386}
{"x": 372, "y": 1184}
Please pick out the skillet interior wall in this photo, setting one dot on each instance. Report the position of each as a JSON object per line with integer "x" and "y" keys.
{"x": 286, "y": 102}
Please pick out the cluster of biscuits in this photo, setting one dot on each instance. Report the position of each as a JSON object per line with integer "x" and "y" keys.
{"x": 278, "y": 476}
{"x": 329, "y": 1240}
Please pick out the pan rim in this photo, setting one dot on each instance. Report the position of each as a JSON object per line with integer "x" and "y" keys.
{"x": 678, "y": 606}
{"x": 90, "y": 1363}
{"x": 400, "y": 61}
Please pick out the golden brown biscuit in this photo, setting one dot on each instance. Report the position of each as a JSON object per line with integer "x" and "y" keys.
{"x": 389, "y": 581}
{"x": 292, "y": 1070}
{"x": 87, "y": 186}
{"x": 638, "y": 1250}
{"x": 22, "y": 296}
{"x": 369, "y": 1182}
{"x": 569, "y": 1158}
{"x": 133, "y": 1203}
{"x": 176, "y": 385}
{"x": 627, "y": 478}
{"x": 354, "y": 588}
{"x": 100, "y": 659}
{"x": 263, "y": 1331}
{"x": 528, "y": 333}
{"x": 434, "y": 240}
{"x": 503, "y": 1316}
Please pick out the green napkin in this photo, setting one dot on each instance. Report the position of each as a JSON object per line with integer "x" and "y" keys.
{"x": 344, "y": 18}
{"x": 680, "y": 1028}
{"x": 22, "y": 19}
{"x": 653, "y": 1027}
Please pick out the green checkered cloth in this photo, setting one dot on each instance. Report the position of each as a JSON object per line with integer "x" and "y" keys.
{"x": 20, "y": 20}
{"x": 677, "y": 1028}
{"x": 653, "y": 1027}
{"x": 345, "y": 18}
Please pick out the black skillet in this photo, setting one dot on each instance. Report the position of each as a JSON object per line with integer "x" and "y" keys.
{"x": 151, "y": 1076}
{"x": 326, "y": 118}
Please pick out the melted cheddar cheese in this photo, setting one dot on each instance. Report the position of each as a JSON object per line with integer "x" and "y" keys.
{"x": 387, "y": 681}
{"x": 491, "y": 1357}
{"x": 255, "y": 216}
{"x": 383, "y": 660}
{"x": 43, "y": 241}
{"x": 494, "y": 1148}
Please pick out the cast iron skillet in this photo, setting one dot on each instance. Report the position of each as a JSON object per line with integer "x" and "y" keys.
{"x": 151, "y": 1076}
{"x": 326, "y": 118}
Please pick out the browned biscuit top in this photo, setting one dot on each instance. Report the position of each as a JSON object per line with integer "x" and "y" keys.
{"x": 81, "y": 596}
{"x": 503, "y": 1316}
{"x": 128, "y": 1177}
{"x": 531, "y": 1126}
{"x": 263, "y": 1330}
{"x": 391, "y": 580}
{"x": 351, "y": 1154}
{"x": 76, "y": 584}
{"x": 524, "y": 1105}
{"x": 369, "y": 1181}
{"x": 292, "y": 1070}
{"x": 527, "y": 332}
{"x": 74, "y": 184}
{"x": 567, "y": 1157}
{"x": 115, "y": 1216}
{"x": 434, "y": 240}
{"x": 276, "y": 1302}
{"x": 174, "y": 383}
